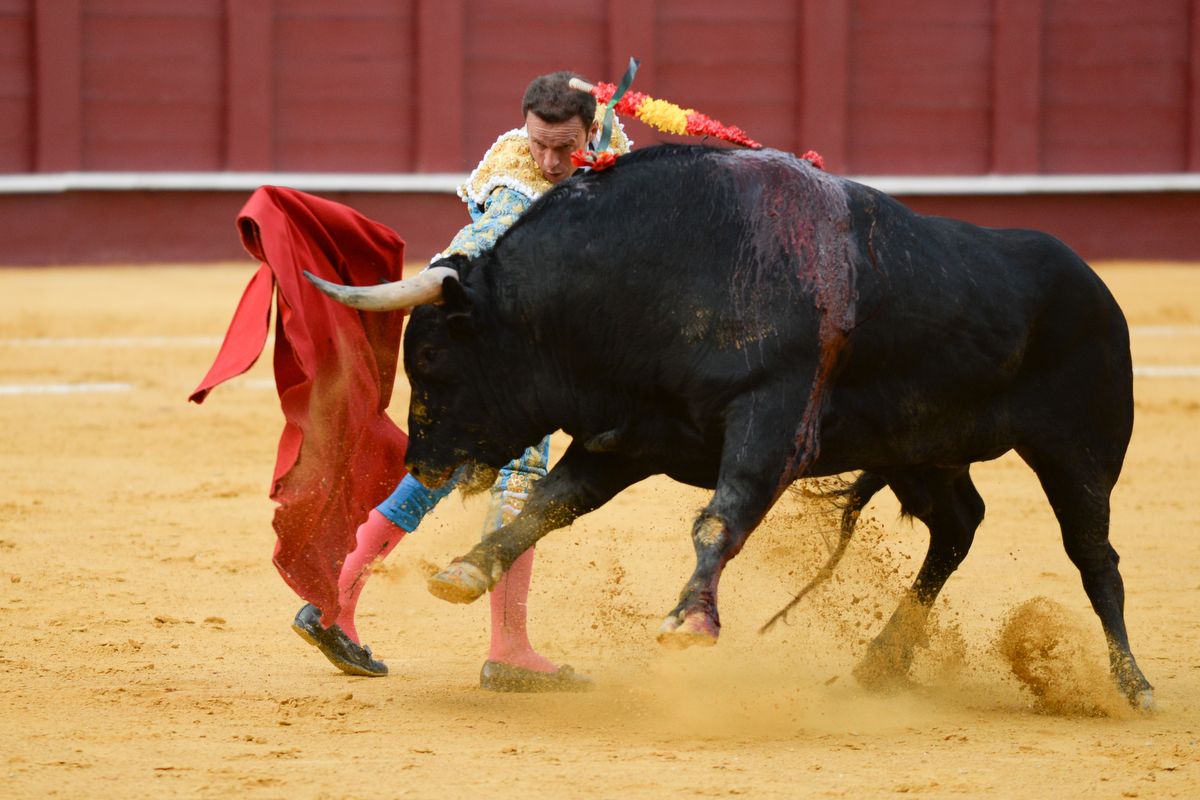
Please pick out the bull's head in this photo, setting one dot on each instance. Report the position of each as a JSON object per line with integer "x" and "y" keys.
{"x": 459, "y": 415}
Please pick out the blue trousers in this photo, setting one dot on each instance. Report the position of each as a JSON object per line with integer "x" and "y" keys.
{"x": 411, "y": 500}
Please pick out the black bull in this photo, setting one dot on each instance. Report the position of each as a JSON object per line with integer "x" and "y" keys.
{"x": 738, "y": 320}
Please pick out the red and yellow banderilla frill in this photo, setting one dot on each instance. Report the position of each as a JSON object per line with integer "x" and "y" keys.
{"x": 666, "y": 116}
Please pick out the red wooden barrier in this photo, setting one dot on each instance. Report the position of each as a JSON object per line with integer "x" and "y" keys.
{"x": 394, "y": 86}
{"x": 928, "y": 87}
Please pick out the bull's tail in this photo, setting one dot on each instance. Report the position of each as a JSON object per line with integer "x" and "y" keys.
{"x": 855, "y": 496}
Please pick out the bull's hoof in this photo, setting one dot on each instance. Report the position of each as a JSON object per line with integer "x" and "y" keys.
{"x": 884, "y": 668}
{"x": 697, "y": 629}
{"x": 1143, "y": 701}
{"x": 1132, "y": 683}
{"x": 459, "y": 583}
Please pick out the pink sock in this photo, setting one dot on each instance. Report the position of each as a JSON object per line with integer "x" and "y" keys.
{"x": 510, "y": 641}
{"x": 375, "y": 539}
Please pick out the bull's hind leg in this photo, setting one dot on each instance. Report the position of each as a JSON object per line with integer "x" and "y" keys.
{"x": 1079, "y": 494}
{"x": 947, "y": 502}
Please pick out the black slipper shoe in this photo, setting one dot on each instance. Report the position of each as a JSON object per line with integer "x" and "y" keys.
{"x": 498, "y": 677}
{"x": 340, "y": 649}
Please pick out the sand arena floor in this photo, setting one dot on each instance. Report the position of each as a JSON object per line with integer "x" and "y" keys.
{"x": 146, "y": 652}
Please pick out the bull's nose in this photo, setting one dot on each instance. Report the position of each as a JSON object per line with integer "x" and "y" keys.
{"x": 430, "y": 479}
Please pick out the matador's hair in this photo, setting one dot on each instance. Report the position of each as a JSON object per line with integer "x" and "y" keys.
{"x": 553, "y": 100}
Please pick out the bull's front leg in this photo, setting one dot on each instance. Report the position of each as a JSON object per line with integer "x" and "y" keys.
{"x": 696, "y": 620}
{"x": 755, "y": 467}
{"x": 580, "y": 482}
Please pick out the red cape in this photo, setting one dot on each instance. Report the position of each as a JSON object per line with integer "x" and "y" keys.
{"x": 339, "y": 454}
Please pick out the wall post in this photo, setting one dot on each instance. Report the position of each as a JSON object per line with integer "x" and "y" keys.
{"x": 249, "y": 87}
{"x": 824, "y": 81}
{"x": 1017, "y": 87}
{"x": 440, "y": 86}
{"x": 58, "y": 79}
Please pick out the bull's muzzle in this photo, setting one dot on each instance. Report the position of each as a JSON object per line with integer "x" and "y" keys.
{"x": 430, "y": 479}
{"x": 423, "y": 288}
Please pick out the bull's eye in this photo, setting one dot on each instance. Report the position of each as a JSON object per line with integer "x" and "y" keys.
{"x": 426, "y": 358}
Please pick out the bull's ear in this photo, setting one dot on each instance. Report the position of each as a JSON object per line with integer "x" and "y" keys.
{"x": 456, "y": 304}
{"x": 455, "y": 261}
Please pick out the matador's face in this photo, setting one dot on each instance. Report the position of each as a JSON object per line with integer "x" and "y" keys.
{"x": 552, "y": 143}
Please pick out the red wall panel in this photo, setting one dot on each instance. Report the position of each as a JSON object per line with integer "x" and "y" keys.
{"x": 880, "y": 87}
{"x": 925, "y": 87}
{"x": 920, "y": 87}
{"x": 344, "y": 82}
{"x": 732, "y": 61}
{"x": 1115, "y": 86}
{"x": 16, "y": 86}
{"x": 152, "y": 85}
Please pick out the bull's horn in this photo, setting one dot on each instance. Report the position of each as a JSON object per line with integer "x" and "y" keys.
{"x": 424, "y": 287}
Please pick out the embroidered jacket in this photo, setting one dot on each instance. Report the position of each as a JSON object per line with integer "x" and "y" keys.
{"x": 504, "y": 185}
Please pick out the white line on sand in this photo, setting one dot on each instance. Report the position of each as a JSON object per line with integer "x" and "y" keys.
{"x": 253, "y": 383}
{"x": 113, "y": 341}
{"x": 1165, "y": 330}
{"x": 1167, "y": 371}
{"x": 13, "y": 389}
{"x": 63, "y": 388}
